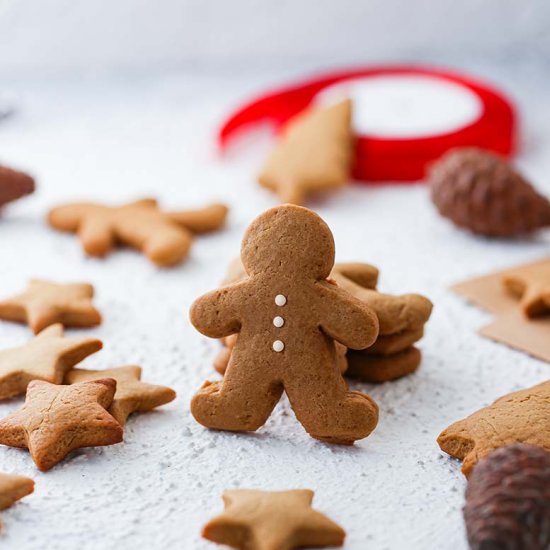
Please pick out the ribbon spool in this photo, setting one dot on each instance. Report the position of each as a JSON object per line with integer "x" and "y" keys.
{"x": 404, "y": 117}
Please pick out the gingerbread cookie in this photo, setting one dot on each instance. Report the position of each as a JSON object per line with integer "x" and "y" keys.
{"x": 55, "y": 420}
{"x": 45, "y": 303}
{"x": 14, "y": 185}
{"x": 164, "y": 237}
{"x": 47, "y": 357}
{"x": 272, "y": 520}
{"x": 288, "y": 317}
{"x": 407, "y": 313}
{"x": 12, "y": 489}
{"x": 314, "y": 154}
{"x": 222, "y": 359}
{"x": 519, "y": 417}
{"x": 382, "y": 368}
{"x": 532, "y": 287}
{"x": 132, "y": 395}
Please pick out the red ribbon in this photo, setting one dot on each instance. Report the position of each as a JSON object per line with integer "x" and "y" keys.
{"x": 389, "y": 159}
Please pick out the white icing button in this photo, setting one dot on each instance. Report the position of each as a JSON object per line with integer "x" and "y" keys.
{"x": 280, "y": 300}
{"x": 278, "y": 346}
{"x": 278, "y": 322}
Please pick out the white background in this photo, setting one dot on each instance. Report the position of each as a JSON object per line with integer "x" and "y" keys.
{"x": 119, "y": 100}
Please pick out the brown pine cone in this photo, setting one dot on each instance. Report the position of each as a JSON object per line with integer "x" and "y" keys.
{"x": 14, "y": 185}
{"x": 508, "y": 500}
{"x": 481, "y": 192}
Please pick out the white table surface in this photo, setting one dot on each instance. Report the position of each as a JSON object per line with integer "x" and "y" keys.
{"x": 124, "y": 139}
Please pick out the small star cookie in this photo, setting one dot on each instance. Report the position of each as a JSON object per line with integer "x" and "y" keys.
{"x": 47, "y": 357}
{"x": 272, "y": 520}
{"x": 45, "y": 303}
{"x": 164, "y": 237}
{"x": 55, "y": 420}
{"x": 13, "y": 488}
{"x": 314, "y": 154}
{"x": 533, "y": 288}
{"x": 131, "y": 395}
{"x": 519, "y": 417}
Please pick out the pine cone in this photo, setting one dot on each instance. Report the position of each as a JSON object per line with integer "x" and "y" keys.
{"x": 480, "y": 191}
{"x": 508, "y": 500}
{"x": 14, "y": 185}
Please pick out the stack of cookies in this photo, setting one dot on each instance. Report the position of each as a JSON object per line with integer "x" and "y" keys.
{"x": 401, "y": 324}
{"x": 401, "y": 321}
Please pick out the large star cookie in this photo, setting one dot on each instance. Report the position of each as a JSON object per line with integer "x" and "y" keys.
{"x": 532, "y": 286}
{"x": 12, "y": 489}
{"x": 45, "y": 303}
{"x": 47, "y": 357}
{"x": 314, "y": 154}
{"x": 55, "y": 420}
{"x": 264, "y": 520}
{"x": 132, "y": 395}
{"x": 164, "y": 237}
{"x": 519, "y": 417}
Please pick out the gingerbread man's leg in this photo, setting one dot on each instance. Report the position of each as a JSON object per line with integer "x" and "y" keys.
{"x": 242, "y": 402}
{"x": 327, "y": 410}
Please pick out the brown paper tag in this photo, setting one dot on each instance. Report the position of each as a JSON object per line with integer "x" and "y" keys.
{"x": 510, "y": 327}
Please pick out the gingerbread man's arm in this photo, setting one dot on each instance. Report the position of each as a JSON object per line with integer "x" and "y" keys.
{"x": 217, "y": 313}
{"x": 345, "y": 318}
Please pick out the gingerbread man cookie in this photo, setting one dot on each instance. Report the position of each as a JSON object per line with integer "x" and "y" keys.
{"x": 164, "y": 237}
{"x": 288, "y": 317}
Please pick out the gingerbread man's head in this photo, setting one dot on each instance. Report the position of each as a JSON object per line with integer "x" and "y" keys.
{"x": 288, "y": 240}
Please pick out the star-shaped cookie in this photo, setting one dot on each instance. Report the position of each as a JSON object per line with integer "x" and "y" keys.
{"x": 532, "y": 286}
{"x": 44, "y": 303}
{"x": 55, "y": 420}
{"x": 265, "y": 520}
{"x": 12, "y": 489}
{"x": 519, "y": 417}
{"x": 47, "y": 357}
{"x": 132, "y": 395}
{"x": 314, "y": 154}
{"x": 164, "y": 237}
{"x": 14, "y": 185}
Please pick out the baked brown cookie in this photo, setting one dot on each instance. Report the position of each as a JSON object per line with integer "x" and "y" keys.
{"x": 382, "y": 368}
{"x": 532, "y": 287}
{"x": 222, "y": 359}
{"x": 47, "y": 357}
{"x": 45, "y": 303}
{"x": 519, "y": 417}
{"x": 288, "y": 317}
{"x": 132, "y": 395}
{"x": 56, "y": 420}
{"x": 12, "y": 489}
{"x": 164, "y": 237}
{"x": 272, "y": 520}
{"x": 313, "y": 155}
{"x": 14, "y": 185}
{"x": 393, "y": 344}
{"x": 396, "y": 314}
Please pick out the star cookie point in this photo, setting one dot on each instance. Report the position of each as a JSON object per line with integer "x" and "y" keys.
{"x": 132, "y": 395}
{"x": 48, "y": 356}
